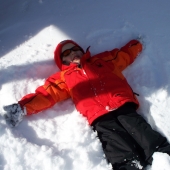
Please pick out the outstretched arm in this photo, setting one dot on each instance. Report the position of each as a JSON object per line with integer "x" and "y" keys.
{"x": 133, "y": 49}
{"x": 126, "y": 55}
{"x": 54, "y": 90}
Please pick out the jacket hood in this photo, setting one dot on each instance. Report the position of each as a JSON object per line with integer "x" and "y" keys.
{"x": 57, "y": 53}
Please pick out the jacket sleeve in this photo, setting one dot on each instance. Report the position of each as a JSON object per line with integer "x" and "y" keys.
{"x": 126, "y": 55}
{"x": 54, "y": 90}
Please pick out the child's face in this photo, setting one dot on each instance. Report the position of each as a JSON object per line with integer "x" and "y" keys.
{"x": 71, "y": 54}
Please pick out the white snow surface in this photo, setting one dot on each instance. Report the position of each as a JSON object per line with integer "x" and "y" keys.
{"x": 60, "y": 138}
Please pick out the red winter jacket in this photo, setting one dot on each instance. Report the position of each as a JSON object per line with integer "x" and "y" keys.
{"x": 96, "y": 88}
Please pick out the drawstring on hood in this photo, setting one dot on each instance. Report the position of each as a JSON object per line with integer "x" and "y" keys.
{"x": 57, "y": 52}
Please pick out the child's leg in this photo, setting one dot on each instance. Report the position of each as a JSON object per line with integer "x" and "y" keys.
{"x": 117, "y": 144}
{"x": 164, "y": 147}
{"x": 144, "y": 135}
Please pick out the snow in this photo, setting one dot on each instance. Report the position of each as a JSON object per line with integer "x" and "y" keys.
{"x": 60, "y": 138}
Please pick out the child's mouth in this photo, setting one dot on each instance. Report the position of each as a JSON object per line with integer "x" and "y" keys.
{"x": 75, "y": 59}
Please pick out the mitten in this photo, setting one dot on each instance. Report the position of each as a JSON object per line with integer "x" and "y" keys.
{"x": 14, "y": 114}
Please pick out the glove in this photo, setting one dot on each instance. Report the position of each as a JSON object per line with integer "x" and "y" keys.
{"x": 14, "y": 114}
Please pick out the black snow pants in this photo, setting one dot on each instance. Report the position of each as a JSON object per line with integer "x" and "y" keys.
{"x": 126, "y": 136}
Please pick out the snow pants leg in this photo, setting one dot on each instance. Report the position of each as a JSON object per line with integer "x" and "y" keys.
{"x": 125, "y": 135}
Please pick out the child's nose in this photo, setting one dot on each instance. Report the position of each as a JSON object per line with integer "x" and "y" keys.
{"x": 72, "y": 52}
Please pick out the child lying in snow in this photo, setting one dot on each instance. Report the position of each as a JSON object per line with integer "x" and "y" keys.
{"x": 101, "y": 93}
